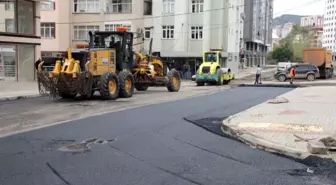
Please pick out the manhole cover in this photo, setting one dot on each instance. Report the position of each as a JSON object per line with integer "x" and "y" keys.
{"x": 292, "y": 112}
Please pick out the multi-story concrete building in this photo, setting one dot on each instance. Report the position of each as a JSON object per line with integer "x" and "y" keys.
{"x": 181, "y": 30}
{"x": 187, "y": 28}
{"x": 257, "y": 30}
{"x": 19, "y": 39}
{"x": 329, "y": 25}
{"x": 66, "y": 23}
{"x": 312, "y": 20}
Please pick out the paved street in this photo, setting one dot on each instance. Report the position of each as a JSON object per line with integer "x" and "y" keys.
{"x": 150, "y": 145}
{"x": 19, "y": 115}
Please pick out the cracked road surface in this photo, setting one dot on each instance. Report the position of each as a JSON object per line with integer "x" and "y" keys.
{"x": 150, "y": 145}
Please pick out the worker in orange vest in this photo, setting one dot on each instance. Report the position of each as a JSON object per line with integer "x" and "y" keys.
{"x": 292, "y": 74}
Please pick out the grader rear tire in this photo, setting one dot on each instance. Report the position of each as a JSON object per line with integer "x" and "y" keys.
{"x": 109, "y": 86}
{"x": 139, "y": 87}
{"x": 174, "y": 81}
{"x": 126, "y": 82}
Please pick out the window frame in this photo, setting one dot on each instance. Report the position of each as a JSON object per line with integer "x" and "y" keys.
{"x": 112, "y": 4}
{"x": 149, "y": 31}
{"x": 168, "y": 6}
{"x": 52, "y": 30}
{"x": 115, "y": 25}
{"x": 10, "y": 6}
{"x": 75, "y": 5}
{"x": 77, "y": 28}
{"x": 197, "y": 6}
{"x": 50, "y": 8}
{"x": 198, "y": 31}
{"x": 167, "y": 31}
{"x": 6, "y": 26}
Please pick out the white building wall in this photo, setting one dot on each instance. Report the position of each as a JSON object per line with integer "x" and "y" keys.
{"x": 329, "y": 28}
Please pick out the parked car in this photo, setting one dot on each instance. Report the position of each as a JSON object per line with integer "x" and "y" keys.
{"x": 303, "y": 71}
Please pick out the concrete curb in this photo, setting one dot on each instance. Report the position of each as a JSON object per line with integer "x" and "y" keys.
{"x": 261, "y": 143}
{"x": 18, "y": 97}
{"x": 269, "y": 85}
{"x": 287, "y": 85}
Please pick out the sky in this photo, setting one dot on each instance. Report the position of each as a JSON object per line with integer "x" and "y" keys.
{"x": 298, "y": 7}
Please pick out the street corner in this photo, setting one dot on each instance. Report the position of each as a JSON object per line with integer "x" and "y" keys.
{"x": 272, "y": 137}
{"x": 323, "y": 146}
{"x": 287, "y": 124}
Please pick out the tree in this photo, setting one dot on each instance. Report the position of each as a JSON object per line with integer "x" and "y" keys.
{"x": 282, "y": 54}
{"x": 298, "y": 39}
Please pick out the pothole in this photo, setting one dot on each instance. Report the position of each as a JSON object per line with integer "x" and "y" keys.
{"x": 278, "y": 100}
{"x": 84, "y": 145}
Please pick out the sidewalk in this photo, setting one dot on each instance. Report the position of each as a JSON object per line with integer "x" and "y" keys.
{"x": 249, "y": 73}
{"x": 291, "y": 124}
{"x": 17, "y": 90}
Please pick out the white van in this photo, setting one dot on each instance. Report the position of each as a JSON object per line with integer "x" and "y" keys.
{"x": 282, "y": 66}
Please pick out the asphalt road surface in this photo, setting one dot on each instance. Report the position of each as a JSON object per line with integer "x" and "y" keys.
{"x": 150, "y": 145}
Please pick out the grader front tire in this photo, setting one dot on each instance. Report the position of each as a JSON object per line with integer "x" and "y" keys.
{"x": 109, "y": 86}
{"x": 174, "y": 81}
{"x": 126, "y": 82}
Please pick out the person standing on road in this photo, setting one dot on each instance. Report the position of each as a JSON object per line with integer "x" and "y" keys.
{"x": 258, "y": 75}
{"x": 292, "y": 74}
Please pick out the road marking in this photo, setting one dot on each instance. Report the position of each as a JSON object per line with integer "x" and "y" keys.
{"x": 283, "y": 126}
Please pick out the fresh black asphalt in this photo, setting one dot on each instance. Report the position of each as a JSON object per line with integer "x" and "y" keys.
{"x": 151, "y": 145}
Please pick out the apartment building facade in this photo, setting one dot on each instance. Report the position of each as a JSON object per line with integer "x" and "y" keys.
{"x": 19, "y": 39}
{"x": 187, "y": 28}
{"x": 329, "y": 25}
{"x": 257, "y": 30}
{"x": 66, "y": 24}
{"x": 312, "y": 21}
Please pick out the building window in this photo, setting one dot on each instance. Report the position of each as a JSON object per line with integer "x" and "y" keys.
{"x": 196, "y": 32}
{"x": 86, "y": 6}
{"x": 148, "y": 7}
{"x": 168, "y": 6}
{"x": 197, "y": 6}
{"x": 8, "y": 62}
{"x": 82, "y": 32}
{"x": 9, "y": 6}
{"x": 26, "y": 17}
{"x": 113, "y": 27}
{"x": 119, "y": 6}
{"x": 10, "y": 25}
{"x": 148, "y": 34}
{"x": 167, "y": 32}
{"x": 47, "y": 6}
{"x": 48, "y": 30}
{"x": 8, "y": 21}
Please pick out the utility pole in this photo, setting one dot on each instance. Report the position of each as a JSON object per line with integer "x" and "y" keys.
{"x": 265, "y": 31}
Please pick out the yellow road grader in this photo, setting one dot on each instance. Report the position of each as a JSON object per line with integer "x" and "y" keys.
{"x": 109, "y": 66}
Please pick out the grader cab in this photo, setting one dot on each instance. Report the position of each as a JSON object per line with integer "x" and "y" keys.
{"x": 109, "y": 66}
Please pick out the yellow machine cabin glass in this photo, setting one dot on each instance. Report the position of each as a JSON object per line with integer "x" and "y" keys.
{"x": 210, "y": 57}
{"x": 102, "y": 61}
